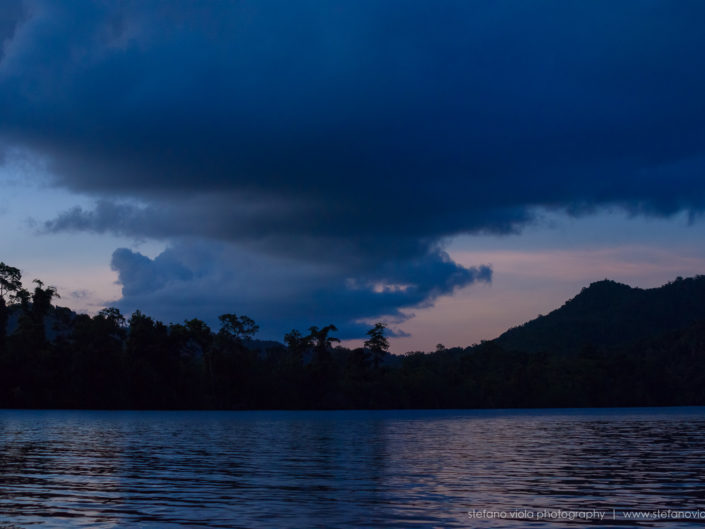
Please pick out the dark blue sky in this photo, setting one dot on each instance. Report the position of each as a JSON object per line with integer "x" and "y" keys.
{"x": 308, "y": 162}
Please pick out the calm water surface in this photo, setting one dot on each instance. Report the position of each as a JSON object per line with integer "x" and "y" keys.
{"x": 413, "y": 469}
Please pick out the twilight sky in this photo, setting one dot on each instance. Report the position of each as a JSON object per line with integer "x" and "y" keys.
{"x": 450, "y": 167}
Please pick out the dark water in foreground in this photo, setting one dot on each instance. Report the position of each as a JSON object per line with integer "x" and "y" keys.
{"x": 351, "y": 469}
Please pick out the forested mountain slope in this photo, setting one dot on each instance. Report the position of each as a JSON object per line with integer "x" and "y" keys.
{"x": 609, "y": 314}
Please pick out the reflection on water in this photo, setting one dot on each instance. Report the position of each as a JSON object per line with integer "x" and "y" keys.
{"x": 346, "y": 469}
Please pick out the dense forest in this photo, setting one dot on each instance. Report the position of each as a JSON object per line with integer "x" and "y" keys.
{"x": 612, "y": 345}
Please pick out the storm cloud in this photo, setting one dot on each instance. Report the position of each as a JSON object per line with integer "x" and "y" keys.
{"x": 205, "y": 277}
{"x": 352, "y": 138}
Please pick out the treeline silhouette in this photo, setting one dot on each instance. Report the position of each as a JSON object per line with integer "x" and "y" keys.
{"x": 51, "y": 357}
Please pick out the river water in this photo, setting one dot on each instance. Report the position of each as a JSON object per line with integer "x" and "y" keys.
{"x": 402, "y": 469}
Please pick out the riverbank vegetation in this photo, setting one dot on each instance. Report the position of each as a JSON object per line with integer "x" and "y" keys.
{"x": 51, "y": 357}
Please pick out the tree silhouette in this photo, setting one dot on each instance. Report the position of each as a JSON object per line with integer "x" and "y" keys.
{"x": 31, "y": 329}
{"x": 114, "y": 316}
{"x": 322, "y": 342}
{"x": 377, "y": 343}
{"x": 297, "y": 345}
{"x": 238, "y": 327}
{"x": 10, "y": 285}
{"x": 151, "y": 362}
{"x": 10, "y": 281}
{"x": 200, "y": 333}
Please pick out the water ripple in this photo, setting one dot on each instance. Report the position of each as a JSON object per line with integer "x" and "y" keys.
{"x": 346, "y": 469}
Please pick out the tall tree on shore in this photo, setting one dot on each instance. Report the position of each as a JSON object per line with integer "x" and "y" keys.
{"x": 10, "y": 281}
{"x": 10, "y": 286}
{"x": 31, "y": 322}
{"x": 322, "y": 343}
{"x": 377, "y": 343}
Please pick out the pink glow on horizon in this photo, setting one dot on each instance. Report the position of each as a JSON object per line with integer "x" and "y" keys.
{"x": 529, "y": 283}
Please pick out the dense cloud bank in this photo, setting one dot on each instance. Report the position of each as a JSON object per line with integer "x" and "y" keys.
{"x": 349, "y": 139}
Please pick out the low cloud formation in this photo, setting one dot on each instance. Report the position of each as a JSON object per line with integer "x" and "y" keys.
{"x": 350, "y": 138}
{"x": 209, "y": 279}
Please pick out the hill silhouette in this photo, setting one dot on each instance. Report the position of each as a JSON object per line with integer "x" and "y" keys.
{"x": 608, "y": 314}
